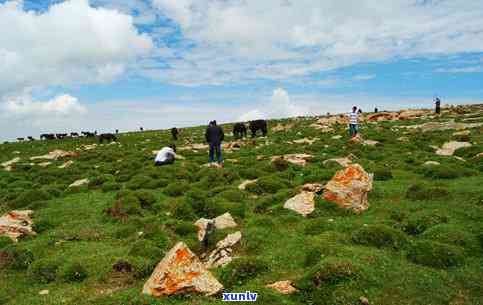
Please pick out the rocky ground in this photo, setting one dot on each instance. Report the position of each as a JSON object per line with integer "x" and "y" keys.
{"x": 303, "y": 216}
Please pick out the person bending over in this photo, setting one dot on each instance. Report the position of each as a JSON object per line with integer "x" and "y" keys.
{"x": 165, "y": 156}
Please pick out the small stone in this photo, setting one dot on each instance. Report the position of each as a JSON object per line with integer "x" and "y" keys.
{"x": 80, "y": 182}
{"x": 244, "y": 184}
{"x": 284, "y": 287}
{"x": 303, "y": 203}
{"x": 44, "y": 292}
{"x": 431, "y": 163}
{"x": 364, "y": 301}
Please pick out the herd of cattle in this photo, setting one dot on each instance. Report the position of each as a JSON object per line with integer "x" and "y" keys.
{"x": 239, "y": 131}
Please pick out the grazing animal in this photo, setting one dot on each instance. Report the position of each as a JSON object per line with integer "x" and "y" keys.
{"x": 140, "y": 128}
{"x": 258, "y": 125}
{"x": 74, "y": 134}
{"x": 60, "y": 136}
{"x": 47, "y": 136}
{"x": 117, "y": 131}
{"x": 239, "y": 130}
{"x": 30, "y": 138}
{"x": 20, "y": 139}
{"x": 174, "y": 133}
{"x": 88, "y": 134}
{"x": 108, "y": 137}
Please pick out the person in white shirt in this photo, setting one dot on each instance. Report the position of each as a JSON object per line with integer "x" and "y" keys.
{"x": 353, "y": 122}
{"x": 165, "y": 156}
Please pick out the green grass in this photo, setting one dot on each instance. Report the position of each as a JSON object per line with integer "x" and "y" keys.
{"x": 420, "y": 242}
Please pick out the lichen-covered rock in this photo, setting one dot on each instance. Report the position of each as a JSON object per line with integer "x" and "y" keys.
{"x": 223, "y": 252}
{"x": 449, "y": 148}
{"x": 349, "y": 188}
{"x": 284, "y": 287}
{"x": 16, "y": 223}
{"x": 303, "y": 203}
{"x": 181, "y": 271}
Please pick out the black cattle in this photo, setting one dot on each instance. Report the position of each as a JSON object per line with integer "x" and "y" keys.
{"x": 60, "y": 136}
{"x": 30, "y": 138}
{"x": 376, "y": 110}
{"x": 47, "y": 136}
{"x": 117, "y": 131}
{"x": 20, "y": 139}
{"x": 88, "y": 134}
{"x": 74, "y": 134}
{"x": 140, "y": 128}
{"x": 174, "y": 133}
{"x": 239, "y": 130}
{"x": 108, "y": 137}
{"x": 258, "y": 125}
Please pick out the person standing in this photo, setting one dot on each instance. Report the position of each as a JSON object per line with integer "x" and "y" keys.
{"x": 437, "y": 104}
{"x": 214, "y": 136}
{"x": 353, "y": 122}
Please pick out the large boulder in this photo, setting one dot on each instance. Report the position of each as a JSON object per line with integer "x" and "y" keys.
{"x": 349, "y": 188}
{"x": 303, "y": 203}
{"x": 449, "y": 148}
{"x": 16, "y": 223}
{"x": 181, "y": 271}
{"x": 223, "y": 252}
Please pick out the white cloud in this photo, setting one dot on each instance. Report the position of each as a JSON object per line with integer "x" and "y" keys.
{"x": 364, "y": 77}
{"x": 63, "y": 105}
{"x": 474, "y": 69}
{"x": 71, "y": 43}
{"x": 273, "y": 39}
{"x": 279, "y": 106}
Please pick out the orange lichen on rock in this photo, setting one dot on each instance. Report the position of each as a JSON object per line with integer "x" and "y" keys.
{"x": 16, "y": 223}
{"x": 180, "y": 271}
{"x": 349, "y": 188}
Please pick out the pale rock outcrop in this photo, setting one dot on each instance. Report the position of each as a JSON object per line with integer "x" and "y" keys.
{"x": 345, "y": 161}
{"x": 349, "y": 188}
{"x": 195, "y": 146}
{"x": 221, "y": 222}
{"x": 244, "y": 184}
{"x": 312, "y": 187}
{"x": 79, "y": 182}
{"x": 66, "y": 164}
{"x": 304, "y": 141}
{"x": 337, "y": 137}
{"x": 297, "y": 159}
{"x": 370, "y": 142}
{"x": 222, "y": 255}
{"x": 9, "y": 164}
{"x": 449, "y": 148}
{"x": 431, "y": 163}
{"x": 462, "y": 133}
{"x": 437, "y": 126}
{"x": 181, "y": 271}
{"x": 16, "y": 223}
{"x": 284, "y": 287}
{"x": 44, "y": 164}
{"x": 56, "y": 154}
{"x": 303, "y": 203}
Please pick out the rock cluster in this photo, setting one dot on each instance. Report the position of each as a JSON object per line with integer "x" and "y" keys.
{"x": 16, "y": 223}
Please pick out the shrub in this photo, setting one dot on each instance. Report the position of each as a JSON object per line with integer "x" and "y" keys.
{"x": 382, "y": 174}
{"x": 16, "y": 257}
{"x": 180, "y": 209}
{"x": 72, "y": 272}
{"x": 42, "y": 225}
{"x": 146, "y": 249}
{"x": 312, "y": 257}
{"x": 330, "y": 271}
{"x": 142, "y": 267}
{"x": 446, "y": 172}
{"x": 176, "y": 189}
{"x": 451, "y": 234}
{"x": 236, "y": 209}
{"x": 241, "y": 270}
{"x": 44, "y": 270}
{"x": 141, "y": 182}
{"x": 53, "y": 190}
{"x": 418, "y": 223}
{"x": 28, "y": 197}
{"x": 198, "y": 200}
{"x": 434, "y": 254}
{"x": 270, "y": 184}
{"x": 154, "y": 232}
{"x": 110, "y": 186}
{"x": 250, "y": 173}
{"x": 184, "y": 228}
{"x": 423, "y": 192}
{"x": 380, "y": 236}
{"x": 280, "y": 164}
{"x": 146, "y": 198}
{"x": 125, "y": 206}
{"x": 316, "y": 226}
{"x": 5, "y": 241}
{"x": 233, "y": 195}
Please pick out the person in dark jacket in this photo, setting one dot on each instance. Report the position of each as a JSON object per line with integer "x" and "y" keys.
{"x": 437, "y": 103}
{"x": 214, "y": 136}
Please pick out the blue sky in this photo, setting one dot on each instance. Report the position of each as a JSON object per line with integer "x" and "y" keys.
{"x": 105, "y": 64}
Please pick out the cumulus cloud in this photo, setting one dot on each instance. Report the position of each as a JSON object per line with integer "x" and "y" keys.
{"x": 279, "y": 106}
{"x": 71, "y": 43}
{"x": 245, "y": 40}
{"x": 62, "y": 105}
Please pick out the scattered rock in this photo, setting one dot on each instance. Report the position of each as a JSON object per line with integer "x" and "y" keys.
{"x": 312, "y": 187}
{"x": 213, "y": 165}
{"x": 480, "y": 155}
{"x": 281, "y": 127}
{"x": 222, "y": 255}
{"x": 56, "y": 154}
{"x": 431, "y": 163}
{"x": 44, "y": 164}
{"x": 356, "y": 139}
{"x": 181, "y": 271}
{"x": 437, "y": 126}
{"x": 195, "y": 146}
{"x": 449, "y": 148}
{"x": 303, "y": 203}
{"x": 403, "y": 139}
{"x": 244, "y": 184}
{"x": 462, "y": 133}
{"x": 221, "y": 222}
{"x": 67, "y": 164}
{"x": 43, "y": 292}
{"x": 16, "y": 223}
{"x": 411, "y": 114}
{"x": 349, "y": 188}
{"x": 381, "y": 116}
{"x": 80, "y": 182}
{"x": 297, "y": 159}
{"x": 337, "y": 137}
{"x": 8, "y": 165}
{"x": 364, "y": 301}
{"x": 284, "y": 287}
{"x": 342, "y": 161}
{"x": 260, "y": 157}
{"x": 89, "y": 146}
{"x": 304, "y": 141}
{"x": 370, "y": 142}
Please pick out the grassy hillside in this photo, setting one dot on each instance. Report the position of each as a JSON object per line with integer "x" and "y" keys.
{"x": 420, "y": 241}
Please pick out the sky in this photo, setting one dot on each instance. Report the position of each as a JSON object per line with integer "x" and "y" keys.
{"x": 72, "y": 65}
